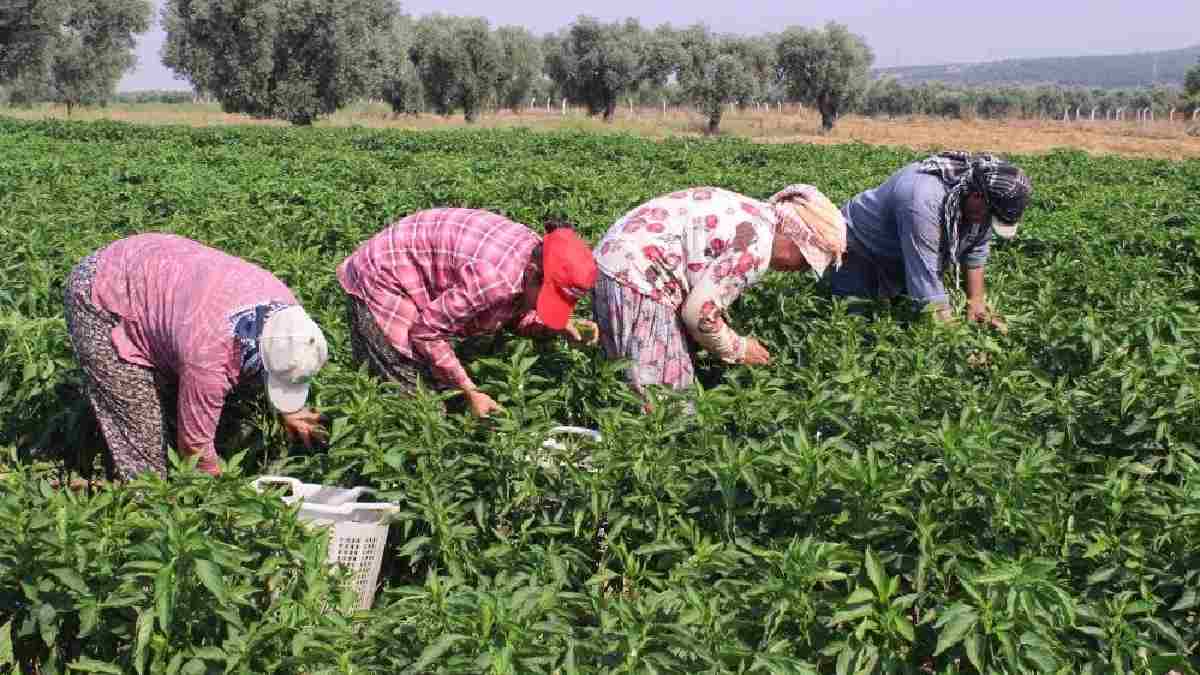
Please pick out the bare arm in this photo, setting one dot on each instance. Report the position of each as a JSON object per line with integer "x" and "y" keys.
{"x": 976, "y": 289}
{"x": 977, "y": 307}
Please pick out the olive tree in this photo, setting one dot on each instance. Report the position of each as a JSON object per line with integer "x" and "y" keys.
{"x": 1191, "y": 85}
{"x": 70, "y": 51}
{"x": 288, "y": 59}
{"x": 458, "y": 60}
{"x": 395, "y": 78}
{"x": 595, "y": 63}
{"x": 826, "y": 68}
{"x": 93, "y": 49}
{"x": 26, "y": 27}
{"x": 713, "y": 72}
{"x": 888, "y": 97}
{"x": 520, "y": 65}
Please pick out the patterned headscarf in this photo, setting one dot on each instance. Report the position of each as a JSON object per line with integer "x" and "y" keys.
{"x": 1004, "y": 187}
{"x": 813, "y": 223}
{"x": 247, "y": 325}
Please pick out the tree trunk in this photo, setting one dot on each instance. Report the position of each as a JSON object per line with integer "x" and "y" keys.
{"x": 470, "y": 114}
{"x": 828, "y": 115}
{"x": 610, "y": 107}
{"x": 714, "y": 121}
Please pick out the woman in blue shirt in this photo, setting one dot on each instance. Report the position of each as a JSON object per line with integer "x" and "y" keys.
{"x": 900, "y": 233}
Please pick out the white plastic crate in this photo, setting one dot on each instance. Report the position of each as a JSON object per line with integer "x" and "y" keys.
{"x": 564, "y": 446}
{"x": 358, "y": 530}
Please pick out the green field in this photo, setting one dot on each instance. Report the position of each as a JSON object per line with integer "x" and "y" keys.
{"x": 888, "y": 496}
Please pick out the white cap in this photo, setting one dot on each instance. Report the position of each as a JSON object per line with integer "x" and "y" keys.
{"x": 1004, "y": 230}
{"x": 293, "y": 349}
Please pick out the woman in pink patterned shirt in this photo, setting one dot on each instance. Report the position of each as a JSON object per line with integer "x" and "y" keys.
{"x": 670, "y": 268}
{"x": 446, "y": 273}
{"x": 156, "y": 317}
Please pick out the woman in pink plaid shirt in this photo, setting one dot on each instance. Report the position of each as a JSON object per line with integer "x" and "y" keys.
{"x": 447, "y": 273}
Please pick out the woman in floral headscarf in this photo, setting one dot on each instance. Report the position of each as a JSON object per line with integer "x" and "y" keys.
{"x": 669, "y": 268}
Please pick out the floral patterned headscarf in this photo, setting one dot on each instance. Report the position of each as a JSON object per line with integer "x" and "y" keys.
{"x": 813, "y": 223}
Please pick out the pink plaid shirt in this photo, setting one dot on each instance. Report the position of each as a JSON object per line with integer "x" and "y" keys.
{"x": 439, "y": 274}
{"x": 175, "y": 298}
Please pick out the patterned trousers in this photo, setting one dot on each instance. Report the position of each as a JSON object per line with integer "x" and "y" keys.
{"x": 129, "y": 400}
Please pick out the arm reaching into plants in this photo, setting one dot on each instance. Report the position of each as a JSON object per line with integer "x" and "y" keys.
{"x": 304, "y": 425}
{"x": 200, "y": 400}
{"x": 727, "y": 276}
{"x": 577, "y": 331}
{"x": 582, "y": 332}
{"x": 478, "y": 291}
{"x": 977, "y": 307}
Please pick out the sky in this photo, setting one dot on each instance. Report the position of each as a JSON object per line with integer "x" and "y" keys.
{"x": 901, "y": 32}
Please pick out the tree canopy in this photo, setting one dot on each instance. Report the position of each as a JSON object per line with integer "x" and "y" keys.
{"x": 595, "y": 63}
{"x": 715, "y": 71}
{"x": 290, "y": 59}
{"x": 395, "y": 78}
{"x": 72, "y": 53}
{"x": 459, "y": 62}
{"x": 26, "y": 27}
{"x": 521, "y": 65}
{"x": 826, "y": 68}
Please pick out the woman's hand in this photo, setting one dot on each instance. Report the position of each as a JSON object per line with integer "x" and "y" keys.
{"x": 481, "y": 404}
{"x": 979, "y": 312}
{"x": 209, "y": 465}
{"x": 756, "y": 353}
{"x": 304, "y": 425}
{"x": 582, "y": 332}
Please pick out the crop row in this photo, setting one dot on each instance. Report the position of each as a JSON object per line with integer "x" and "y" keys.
{"x": 889, "y": 496}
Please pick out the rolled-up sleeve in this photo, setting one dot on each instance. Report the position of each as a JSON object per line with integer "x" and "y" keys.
{"x": 977, "y": 256}
{"x": 703, "y": 310}
{"x": 707, "y": 326}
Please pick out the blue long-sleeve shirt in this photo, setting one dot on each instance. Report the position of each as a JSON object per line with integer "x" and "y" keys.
{"x": 899, "y": 224}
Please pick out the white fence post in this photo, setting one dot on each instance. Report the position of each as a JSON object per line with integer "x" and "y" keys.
{"x": 1094, "y": 114}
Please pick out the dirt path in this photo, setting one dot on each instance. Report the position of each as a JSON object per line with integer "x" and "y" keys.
{"x": 1176, "y": 140}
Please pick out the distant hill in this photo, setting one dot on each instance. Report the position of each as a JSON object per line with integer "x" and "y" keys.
{"x": 1113, "y": 71}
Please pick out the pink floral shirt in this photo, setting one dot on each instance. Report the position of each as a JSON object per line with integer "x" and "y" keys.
{"x": 176, "y": 299}
{"x": 439, "y": 274}
{"x": 695, "y": 250}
